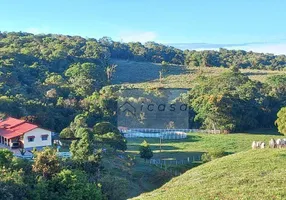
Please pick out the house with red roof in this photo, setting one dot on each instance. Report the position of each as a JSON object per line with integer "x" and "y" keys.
{"x": 27, "y": 135}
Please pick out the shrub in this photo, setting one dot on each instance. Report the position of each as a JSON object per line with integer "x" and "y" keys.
{"x": 211, "y": 155}
{"x": 105, "y": 127}
{"x": 6, "y": 157}
{"x": 145, "y": 151}
{"x": 114, "y": 187}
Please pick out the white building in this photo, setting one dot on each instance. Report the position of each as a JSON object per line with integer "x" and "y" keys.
{"x": 27, "y": 135}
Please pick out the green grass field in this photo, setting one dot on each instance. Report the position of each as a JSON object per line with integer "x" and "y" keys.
{"x": 145, "y": 74}
{"x": 193, "y": 146}
{"x": 254, "y": 174}
{"x": 197, "y": 143}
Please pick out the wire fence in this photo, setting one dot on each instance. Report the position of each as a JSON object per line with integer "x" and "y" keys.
{"x": 174, "y": 161}
{"x": 157, "y": 130}
{"x": 171, "y": 164}
{"x": 170, "y": 135}
{"x": 162, "y": 133}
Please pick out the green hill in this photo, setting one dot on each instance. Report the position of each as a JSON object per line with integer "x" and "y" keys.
{"x": 146, "y": 74}
{"x": 254, "y": 174}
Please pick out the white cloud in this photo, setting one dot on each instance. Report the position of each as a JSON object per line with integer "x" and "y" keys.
{"x": 38, "y": 30}
{"x": 137, "y": 36}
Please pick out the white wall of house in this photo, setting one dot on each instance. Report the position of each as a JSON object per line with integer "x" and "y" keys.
{"x": 38, "y": 141}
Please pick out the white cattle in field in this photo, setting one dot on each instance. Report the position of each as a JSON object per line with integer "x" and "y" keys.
{"x": 253, "y": 145}
{"x": 258, "y": 145}
{"x": 272, "y": 143}
{"x": 279, "y": 143}
{"x": 284, "y": 142}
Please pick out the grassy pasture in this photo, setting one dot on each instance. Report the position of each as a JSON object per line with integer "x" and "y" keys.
{"x": 193, "y": 146}
{"x": 145, "y": 74}
{"x": 197, "y": 143}
{"x": 253, "y": 174}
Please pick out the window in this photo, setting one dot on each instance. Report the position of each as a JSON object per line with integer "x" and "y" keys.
{"x": 44, "y": 137}
{"x": 31, "y": 138}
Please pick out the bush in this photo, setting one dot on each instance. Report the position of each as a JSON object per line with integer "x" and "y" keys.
{"x": 164, "y": 63}
{"x": 145, "y": 151}
{"x": 67, "y": 133}
{"x": 114, "y": 187}
{"x": 211, "y": 155}
{"x": 105, "y": 127}
{"x": 6, "y": 157}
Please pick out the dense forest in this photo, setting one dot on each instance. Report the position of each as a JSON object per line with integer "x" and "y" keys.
{"x": 233, "y": 102}
{"x": 239, "y": 58}
{"x": 53, "y": 48}
{"x": 48, "y": 78}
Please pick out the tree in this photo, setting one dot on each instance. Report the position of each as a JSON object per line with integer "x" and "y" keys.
{"x": 110, "y": 70}
{"x": 74, "y": 185}
{"x": 114, "y": 140}
{"x": 102, "y": 128}
{"x": 281, "y": 121}
{"x": 114, "y": 187}
{"x": 54, "y": 79}
{"x": 145, "y": 151}
{"x": 67, "y": 133}
{"x": 108, "y": 134}
{"x": 6, "y": 157}
{"x": 277, "y": 87}
{"x": 83, "y": 148}
{"x": 12, "y": 184}
{"x": 46, "y": 162}
{"x": 230, "y": 101}
{"x": 85, "y": 78}
{"x": 66, "y": 185}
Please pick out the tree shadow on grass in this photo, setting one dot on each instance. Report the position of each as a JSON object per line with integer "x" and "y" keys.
{"x": 263, "y": 131}
{"x": 173, "y": 155}
{"x": 255, "y": 73}
{"x": 154, "y": 147}
{"x": 190, "y": 138}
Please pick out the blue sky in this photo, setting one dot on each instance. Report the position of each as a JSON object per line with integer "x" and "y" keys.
{"x": 257, "y": 25}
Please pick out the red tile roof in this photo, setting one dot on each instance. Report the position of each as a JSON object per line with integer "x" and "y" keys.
{"x": 10, "y": 122}
{"x": 11, "y": 127}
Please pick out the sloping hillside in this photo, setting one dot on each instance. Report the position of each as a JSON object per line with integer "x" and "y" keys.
{"x": 254, "y": 174}
{"x": 147, "y": 74}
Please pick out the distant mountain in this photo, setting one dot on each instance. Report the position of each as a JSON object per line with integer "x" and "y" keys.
{"x": 209, "y": 46}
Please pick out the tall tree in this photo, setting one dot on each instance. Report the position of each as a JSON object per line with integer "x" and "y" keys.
{"x": 281, "y": 121}
{"x": 83, "y": 148}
